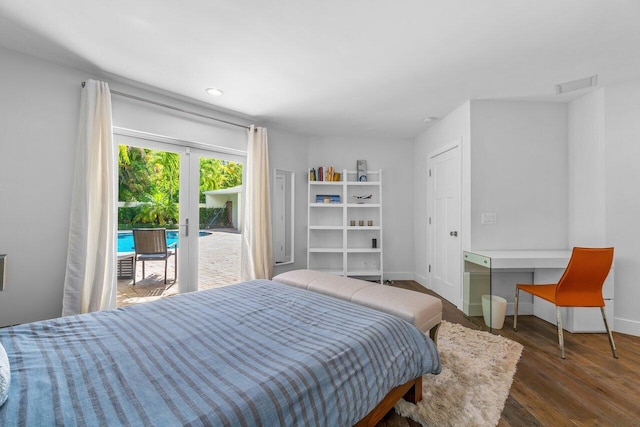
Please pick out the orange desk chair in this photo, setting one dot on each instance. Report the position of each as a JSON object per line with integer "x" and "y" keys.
{"x": 580, "y": 286}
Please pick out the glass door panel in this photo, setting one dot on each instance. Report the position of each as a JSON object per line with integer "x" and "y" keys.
{"x": 149, "y": 191}
{"x": 219, "y": 204}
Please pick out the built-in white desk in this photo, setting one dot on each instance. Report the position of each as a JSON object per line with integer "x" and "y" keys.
{"x": 485, "y": 273}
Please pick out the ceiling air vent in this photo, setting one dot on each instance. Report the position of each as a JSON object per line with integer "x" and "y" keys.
{"x": 577, "y": 84}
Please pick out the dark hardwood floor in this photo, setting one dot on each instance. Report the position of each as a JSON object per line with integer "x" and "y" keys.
{"x": 588, "y": 388}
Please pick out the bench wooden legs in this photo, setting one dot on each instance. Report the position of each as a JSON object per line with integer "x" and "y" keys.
{"x": 433, "y": 333}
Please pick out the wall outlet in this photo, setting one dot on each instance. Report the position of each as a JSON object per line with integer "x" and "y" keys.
{"x": 488, "y": 218}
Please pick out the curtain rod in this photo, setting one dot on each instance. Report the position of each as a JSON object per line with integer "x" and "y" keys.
{"x": 171, "y": 107}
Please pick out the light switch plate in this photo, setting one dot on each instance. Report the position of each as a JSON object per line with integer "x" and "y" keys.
{"x": 488, "y": 218}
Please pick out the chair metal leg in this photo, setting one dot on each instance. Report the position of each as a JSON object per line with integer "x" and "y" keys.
{"x": 515, "y": 310}
{"x": 606, "y": 325}
{"x": 166, "y": 261}
{"x": 133, "y": 268}
{"x": 560, "y": 336}
{"x": 143, "y": 270}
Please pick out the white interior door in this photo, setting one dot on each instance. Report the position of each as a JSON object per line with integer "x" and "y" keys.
{"x": 445, "y": 242}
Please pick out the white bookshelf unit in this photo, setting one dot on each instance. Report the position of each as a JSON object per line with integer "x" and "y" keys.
{"x": 339, "y": 237}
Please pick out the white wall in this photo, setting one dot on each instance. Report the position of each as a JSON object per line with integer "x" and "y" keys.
{"x": 39, "y": 115}
{"x": 454, "y": 127}
{"x": 519, "y": 170}
{"x": 622, "y": 129}
{"x": 136, "y": 115}
{"x": 514, "y": 164}
{"x": 289, "y": 151}
{"x": 587, "y": 171}
{"x": 556, "y": 175}
{"x": 394, "y": 157}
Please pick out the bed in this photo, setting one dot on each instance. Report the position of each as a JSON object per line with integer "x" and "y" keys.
{"x": 253, "y": 353}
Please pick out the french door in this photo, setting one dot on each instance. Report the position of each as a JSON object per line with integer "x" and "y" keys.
{"x": 189, "y": 197}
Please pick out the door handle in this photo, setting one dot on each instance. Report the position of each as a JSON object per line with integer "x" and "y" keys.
{"x": 453, "y": 233}
{"x": 186, "y": 225}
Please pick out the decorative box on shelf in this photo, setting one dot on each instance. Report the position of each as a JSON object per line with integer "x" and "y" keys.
{"x": 327, "y": 198}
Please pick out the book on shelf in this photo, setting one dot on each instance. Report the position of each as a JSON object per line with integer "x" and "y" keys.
{"x": 322, "y": 173}
{"x": 327, "y": 198}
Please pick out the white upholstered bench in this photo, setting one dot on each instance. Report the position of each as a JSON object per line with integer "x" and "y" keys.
{"x": 422, "y": 310}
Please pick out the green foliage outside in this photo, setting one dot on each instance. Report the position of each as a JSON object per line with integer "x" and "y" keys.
{"x": 218, "y": 174}
{"x": 152, "y": 178}
{"x": 209, "y": 218}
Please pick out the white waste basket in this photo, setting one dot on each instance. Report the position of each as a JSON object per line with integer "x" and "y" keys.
{"x": 494, "y": 309}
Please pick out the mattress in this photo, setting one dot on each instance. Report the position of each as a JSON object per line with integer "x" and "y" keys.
{"x": 254, "y": 353}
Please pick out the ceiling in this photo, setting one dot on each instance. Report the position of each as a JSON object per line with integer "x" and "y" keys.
{"x": 374, "y": 68}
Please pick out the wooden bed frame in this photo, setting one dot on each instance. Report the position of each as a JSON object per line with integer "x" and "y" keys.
{"x": 411, "y": 391}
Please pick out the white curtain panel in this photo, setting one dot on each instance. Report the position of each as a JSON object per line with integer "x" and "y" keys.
{"x": 257, "y": 258}
{"x": 90, "y": 280}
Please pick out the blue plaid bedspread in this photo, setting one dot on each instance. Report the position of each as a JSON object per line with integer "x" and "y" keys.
{"x": 254, "y": 353}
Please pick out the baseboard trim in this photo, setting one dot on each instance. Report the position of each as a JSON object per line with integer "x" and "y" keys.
{"x": 398, "y": 275}
{"x": 421, "y": 279}
{"x": 626, "y": 326}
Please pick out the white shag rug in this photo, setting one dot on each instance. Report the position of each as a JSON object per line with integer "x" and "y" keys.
{"x": 471, "y": 390}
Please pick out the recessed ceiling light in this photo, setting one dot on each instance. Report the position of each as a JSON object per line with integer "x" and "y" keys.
{"x": 577, "y": 84}
{"x": 214, "y": 92}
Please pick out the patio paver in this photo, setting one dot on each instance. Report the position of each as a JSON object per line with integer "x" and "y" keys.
{"x": 219, "y": 266}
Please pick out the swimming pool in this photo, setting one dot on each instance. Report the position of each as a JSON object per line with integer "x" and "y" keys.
{"x": 125, "y": 239}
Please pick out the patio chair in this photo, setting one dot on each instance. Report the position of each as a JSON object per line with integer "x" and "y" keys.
{"x": 151, "y": 245}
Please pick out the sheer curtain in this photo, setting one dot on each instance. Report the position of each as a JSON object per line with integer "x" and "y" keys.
{"x": 257, "y": 258}
{"x": 90, "y": 280}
